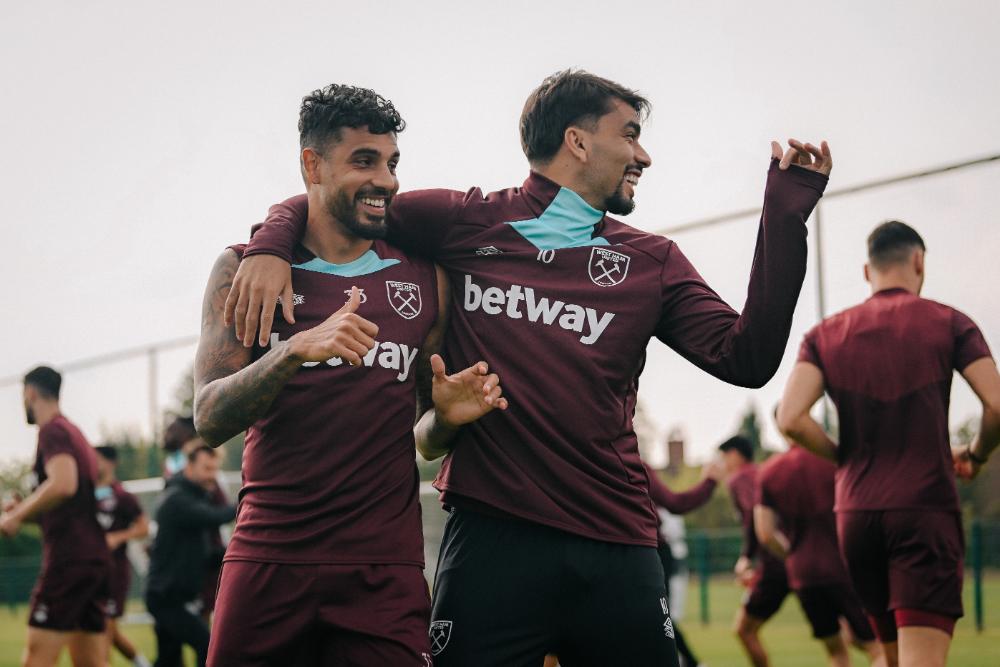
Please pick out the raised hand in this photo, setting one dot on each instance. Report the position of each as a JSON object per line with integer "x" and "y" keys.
{"x": 467, "y": 395}
{"x": 259, "y": 280}
{"x": 344, "y": 334}
{"x": 805, "y": 156}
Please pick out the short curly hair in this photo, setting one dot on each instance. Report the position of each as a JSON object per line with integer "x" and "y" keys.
{"x": 326, "y": 111}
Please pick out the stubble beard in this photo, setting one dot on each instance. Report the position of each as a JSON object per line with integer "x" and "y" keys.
{"x": 345, "y": 211}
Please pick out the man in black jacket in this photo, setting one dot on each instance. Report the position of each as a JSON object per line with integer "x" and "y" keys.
{"x": 186, "y": 517}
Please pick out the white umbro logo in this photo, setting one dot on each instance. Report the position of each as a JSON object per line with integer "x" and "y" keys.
{"x": 489, "y": 250}
{"x": 297, "y": 299}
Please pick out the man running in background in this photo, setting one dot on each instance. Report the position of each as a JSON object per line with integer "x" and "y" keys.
{"x": 325, "y": 565}
{"x": 551, "y": 519}
{"x": 123, "y": 520}
{"x": 69, "y": 600}
{"x": 767, "y": 581}
{"x": 795, "y": 493}
{"x": 887, "y": 364}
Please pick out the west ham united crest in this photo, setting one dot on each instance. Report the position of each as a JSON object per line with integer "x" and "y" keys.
{"x": 607, "y": 268}
{"x": 404, "y": 298}
{"x": 440, "y": 634}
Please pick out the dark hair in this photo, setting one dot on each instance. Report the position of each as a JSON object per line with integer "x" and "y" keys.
{"x": 569, "y": 97}
{"x": 46, "y": 380}
{"x": 179, "y": 431}
{"x": 740, "y": 444}
{"x": 892, "y": 242}
{"x": 107, "y": 452}
{"x": 326, "y": 111}
{"x": 193, "y": 454}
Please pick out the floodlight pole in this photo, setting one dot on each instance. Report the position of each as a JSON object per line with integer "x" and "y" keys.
{"x": 821, "y": 295}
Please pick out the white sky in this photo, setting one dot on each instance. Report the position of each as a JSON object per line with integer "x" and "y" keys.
{"x": 138, "y": 139}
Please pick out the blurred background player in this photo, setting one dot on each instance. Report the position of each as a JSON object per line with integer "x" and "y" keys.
{"x": 767, "y": 581}
{"x": 795, "y": 492}
{"x": 887, "y": 364}
{"x": 185, "y": 519}
{"x": 121, "y": 516}
{"x": 179, "y": 439}
{"x": 70, "y": 597}
{"x": 680, "y": 503}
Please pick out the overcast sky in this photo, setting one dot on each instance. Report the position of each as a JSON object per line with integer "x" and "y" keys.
{"x": 139, "y": 139}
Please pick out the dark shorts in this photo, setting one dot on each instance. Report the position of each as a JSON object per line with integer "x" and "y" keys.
{"x": 824, "y": 606}
{"x": 508, "y": 592}
{"x": 121, "y": 579}
{"x": 767, "y": 594}
{"x": 906, "y": 560}
{"x": 282, "y": 615}
{"x": 71, "y": 597}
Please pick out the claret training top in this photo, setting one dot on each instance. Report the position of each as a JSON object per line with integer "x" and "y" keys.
{"x": 561, "y": 300}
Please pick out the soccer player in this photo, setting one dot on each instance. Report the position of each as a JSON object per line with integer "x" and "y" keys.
{"x": 551, "y": 540}
{"x": 767, "y": 581}
{"x": 70, "y": 596}
{"x": 887, "y": 364}
{"x": 795, "y": 492}
{"x": 325, "y": 565}
{"x": 123, "y": 520}
{"x": 185, "y": 518}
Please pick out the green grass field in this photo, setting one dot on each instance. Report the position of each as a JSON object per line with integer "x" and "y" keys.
{"x": 786, "y": 635}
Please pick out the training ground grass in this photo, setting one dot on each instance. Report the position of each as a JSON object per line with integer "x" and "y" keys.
{"x": 786, "y": 636}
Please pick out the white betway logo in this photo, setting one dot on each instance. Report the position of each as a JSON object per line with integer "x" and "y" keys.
{"x": 391, "y": 356}
{"x": 494, "y": 301}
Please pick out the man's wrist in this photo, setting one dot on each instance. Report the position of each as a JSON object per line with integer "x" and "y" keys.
{"x": 975, "y": 458}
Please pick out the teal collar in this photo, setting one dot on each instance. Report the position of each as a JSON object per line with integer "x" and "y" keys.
{"x": 369, "y": 262}
{"x": 567, "y": 222}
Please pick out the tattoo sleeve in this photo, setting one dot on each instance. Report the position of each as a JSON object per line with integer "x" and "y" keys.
{"x": 231, "y": 393}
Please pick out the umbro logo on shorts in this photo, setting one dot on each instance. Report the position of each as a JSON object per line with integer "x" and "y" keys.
{"x": 489, "y": 250}
{"x": 440, "y": 634}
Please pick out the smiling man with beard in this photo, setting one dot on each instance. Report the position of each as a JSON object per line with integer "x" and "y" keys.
{"x": 325, "y": 565}
{"x": 551, "y": 541}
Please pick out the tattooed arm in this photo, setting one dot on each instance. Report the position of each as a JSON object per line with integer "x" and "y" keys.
{"x": 231, "y": 393}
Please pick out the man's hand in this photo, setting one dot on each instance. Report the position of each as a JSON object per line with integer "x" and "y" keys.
{"x": 744, "y": 571}
{"x": 9, "y": 524}
{"x": 965, "y": 467}
{"x": 114, "y": 541}
{"x": 465, "y": 396}
{"x": 344, "y": 334}
{"x": 801, "y": 155}
{"x": 714, "y": 470}
{"x": 259, "y": 280}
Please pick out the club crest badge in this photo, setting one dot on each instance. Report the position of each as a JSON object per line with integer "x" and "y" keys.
{"x": 440, "y": 634}
{"x": 607, "y": 268}
{"x": 404, "y": 298}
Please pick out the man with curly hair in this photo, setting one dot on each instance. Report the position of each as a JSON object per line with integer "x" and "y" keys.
{"x": 325, "y": 565}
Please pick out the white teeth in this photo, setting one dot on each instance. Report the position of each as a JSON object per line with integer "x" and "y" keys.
{"x": 377, "y": 203}
{"x": 632, "y": 179}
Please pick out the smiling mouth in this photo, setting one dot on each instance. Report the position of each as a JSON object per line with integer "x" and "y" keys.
{"x": 375, "y": 205}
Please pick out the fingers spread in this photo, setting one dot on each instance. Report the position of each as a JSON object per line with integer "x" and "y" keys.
{"x": 786, "y": 159}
